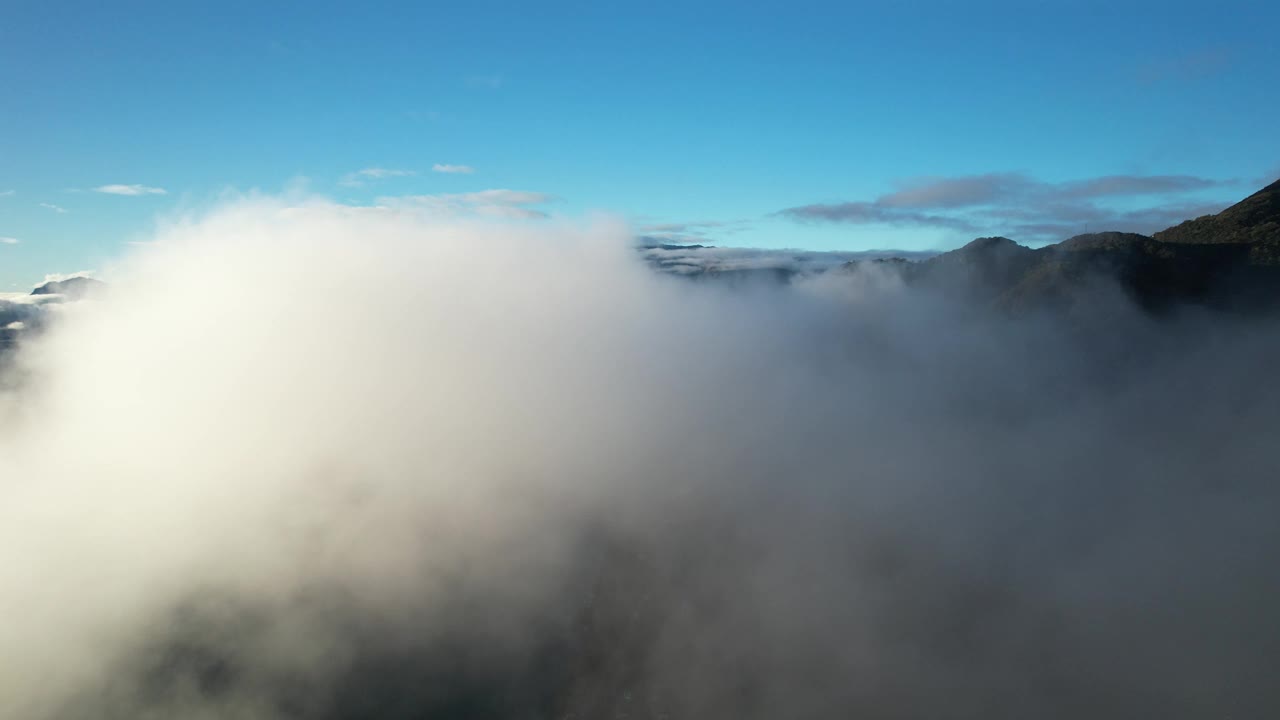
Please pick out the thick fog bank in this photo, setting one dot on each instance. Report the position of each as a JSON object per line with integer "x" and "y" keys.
{"x": 323, "y": 462}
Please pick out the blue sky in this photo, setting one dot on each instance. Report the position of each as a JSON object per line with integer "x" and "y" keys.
{"x": 814, "y": 125}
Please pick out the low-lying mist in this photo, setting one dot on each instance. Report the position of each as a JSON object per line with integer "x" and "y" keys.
{"x": 313, "y": 461}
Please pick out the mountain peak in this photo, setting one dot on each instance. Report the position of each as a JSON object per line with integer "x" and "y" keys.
{"x": 985, "y": 250}
{"x": 996, "y": 242}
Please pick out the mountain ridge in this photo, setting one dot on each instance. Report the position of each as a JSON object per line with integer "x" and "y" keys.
{"x": 1254, "y": 219}
{"x": 1228, "y": 261}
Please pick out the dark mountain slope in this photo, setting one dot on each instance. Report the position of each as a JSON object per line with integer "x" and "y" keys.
{"x": 1256, "y": 219}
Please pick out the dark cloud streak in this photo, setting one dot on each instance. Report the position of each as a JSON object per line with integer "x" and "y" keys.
{"x": 865, "y": 213}
{"x": 1009, "y": 203}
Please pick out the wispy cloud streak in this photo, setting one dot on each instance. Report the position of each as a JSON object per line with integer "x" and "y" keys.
{"x": 132, "y": 190}
{"x": 360, "y": 177}
{"x": 495, "y": 203}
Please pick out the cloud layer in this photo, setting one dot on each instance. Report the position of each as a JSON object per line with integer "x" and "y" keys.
{"x": 695, "y": 260}
{"x": 313, "y": 461}
{"x": 695, "y": 231}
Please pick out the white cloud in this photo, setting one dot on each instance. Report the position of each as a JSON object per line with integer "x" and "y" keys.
{"x": 59, "y": 277}
{"x": 7, "y": 193}
{"x": 56, "y": 208}
{"x": 130, "y": 190}
{"x": 358, "y": 178}
{"x": 495, "y": 203}
{"x": 454, "y": 169}
{"x": 9, "y": 241}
